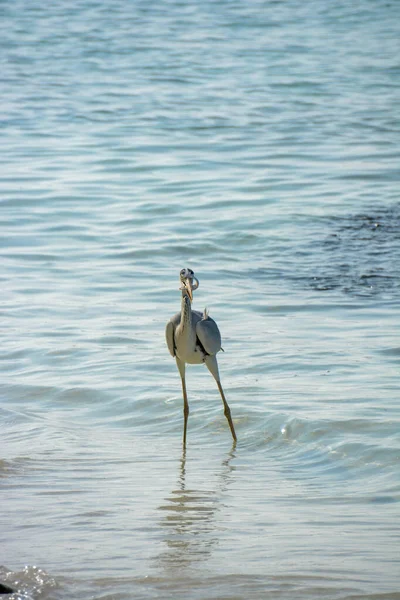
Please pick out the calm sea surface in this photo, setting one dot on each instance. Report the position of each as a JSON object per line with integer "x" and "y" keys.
{"x": 258, "y": 143}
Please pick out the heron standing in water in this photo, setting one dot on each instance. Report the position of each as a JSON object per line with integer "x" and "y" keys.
{"x": 194, "y": 338}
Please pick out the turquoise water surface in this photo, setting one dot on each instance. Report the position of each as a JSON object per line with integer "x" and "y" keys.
{"x": 258, "y": 143}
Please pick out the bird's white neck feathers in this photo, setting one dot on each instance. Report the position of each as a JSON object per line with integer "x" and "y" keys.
{"x": 186, "y": 309}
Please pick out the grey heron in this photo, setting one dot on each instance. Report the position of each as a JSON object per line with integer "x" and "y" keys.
{"x": 194, "y": 338}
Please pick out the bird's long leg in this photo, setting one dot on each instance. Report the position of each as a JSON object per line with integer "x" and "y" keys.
{"x": 227, "y": 410}
{"x": 212, "y": 366}
{"x": 181, "y": 367}
{"x": 185, "y": 410}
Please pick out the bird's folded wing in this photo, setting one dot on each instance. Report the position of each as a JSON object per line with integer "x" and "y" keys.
{"x": 208, "y": 333}
{"x": 170, "y": 337}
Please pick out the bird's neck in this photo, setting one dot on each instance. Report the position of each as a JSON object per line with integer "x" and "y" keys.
{"x": 186, "y": 311}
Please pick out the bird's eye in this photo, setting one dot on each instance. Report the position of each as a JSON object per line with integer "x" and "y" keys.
{"x": 183, "y": 272}
{"x": 191, "y": 272}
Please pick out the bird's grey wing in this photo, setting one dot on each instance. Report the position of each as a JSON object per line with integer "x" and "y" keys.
{"x": 208, "y": 333}
{"x": 170, "y": 333}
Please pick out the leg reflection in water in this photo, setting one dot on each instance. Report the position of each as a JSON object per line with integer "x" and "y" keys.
{"x": 193, "y": 517}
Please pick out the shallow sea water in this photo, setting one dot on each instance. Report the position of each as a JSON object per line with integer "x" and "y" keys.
{"x": 259, "y": 144}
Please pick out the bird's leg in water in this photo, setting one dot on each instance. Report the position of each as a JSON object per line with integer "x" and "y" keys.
{"x": 182, "y": 370}
{"x": 212, "y": 366}
{"x": 227, "y": 410}
{"x": 185, "y": 410}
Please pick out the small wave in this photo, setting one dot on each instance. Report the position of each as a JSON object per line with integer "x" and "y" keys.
{"x": 32, "y": 582}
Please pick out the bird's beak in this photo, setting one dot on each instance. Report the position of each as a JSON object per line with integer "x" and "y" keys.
{"x": 189, "y": 289}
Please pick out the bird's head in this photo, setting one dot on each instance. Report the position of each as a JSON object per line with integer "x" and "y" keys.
{"x": 187, "y": 277}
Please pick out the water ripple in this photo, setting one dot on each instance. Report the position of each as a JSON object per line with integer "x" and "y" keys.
{"x": 258, "y": 143}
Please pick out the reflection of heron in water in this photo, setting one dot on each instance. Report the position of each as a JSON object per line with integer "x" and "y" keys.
{"x": 190, "y": 518}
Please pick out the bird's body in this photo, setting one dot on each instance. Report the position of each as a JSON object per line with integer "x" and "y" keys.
{"x": 194, "y": 338}
{"x": 185, "y": 344}
{"x": 188, "y": 343}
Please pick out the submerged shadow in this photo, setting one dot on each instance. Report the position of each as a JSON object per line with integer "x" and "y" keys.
{"x": 191, "y": 520}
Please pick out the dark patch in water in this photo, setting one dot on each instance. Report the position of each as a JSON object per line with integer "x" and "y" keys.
{"x": 6, "y": 589}
{"x": 360, "y": 256}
